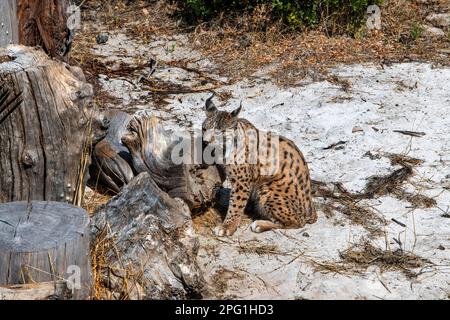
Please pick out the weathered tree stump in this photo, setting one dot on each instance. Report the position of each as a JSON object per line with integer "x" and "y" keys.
{"x": 43, "y": 143}
{"x": 45, "y": 242}
{"x": 42, "y": 23}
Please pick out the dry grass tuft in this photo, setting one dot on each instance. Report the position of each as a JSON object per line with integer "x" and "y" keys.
{"x": 367, "y": 254}
{"x": 359, "y": 257}
{"x": 257, "y": 248}
{"x": 203, "y": 223}
{"x": 338, "y": 199}
{"x": 221, "y": 278}
{"x": 393, "y": 183}
{"x": 93, "y": 200}
{"x": 102, "y": 245}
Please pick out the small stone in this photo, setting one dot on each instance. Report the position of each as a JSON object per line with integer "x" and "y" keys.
{"x": 357, "y": 129}
{"x": 446, "y": 182}
{"x": 429, "y": 31}
{"x": 439, "y": 19}
{"x": 441, "y": 247}
{"x": 102, "y": 38}
{"x": 305, "y": 234}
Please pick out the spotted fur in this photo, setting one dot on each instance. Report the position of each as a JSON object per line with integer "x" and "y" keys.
{"x": 283, "y": 197}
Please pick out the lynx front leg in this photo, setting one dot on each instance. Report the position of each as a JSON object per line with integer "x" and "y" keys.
{"x": 238, "y": 201}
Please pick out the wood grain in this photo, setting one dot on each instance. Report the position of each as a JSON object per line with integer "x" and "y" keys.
{"x": 44, "y": 23}
{"x": 42, "y": 242}
{"x": 42, "y": 142}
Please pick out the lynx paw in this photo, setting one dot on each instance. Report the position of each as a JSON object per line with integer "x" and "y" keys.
{"x": 222, "y": 231}
{"x": 260, "y": 226}
{"x": 255, "y": 227}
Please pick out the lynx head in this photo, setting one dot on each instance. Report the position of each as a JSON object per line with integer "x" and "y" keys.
{"x": 217, "y": 122}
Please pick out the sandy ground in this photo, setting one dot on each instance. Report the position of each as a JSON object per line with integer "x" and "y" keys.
{"x": 376, "y": 101}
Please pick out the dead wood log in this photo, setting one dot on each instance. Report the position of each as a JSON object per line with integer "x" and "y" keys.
{"x": 151, "y": 245}
{"x": 152, "y": 148}
{"x": 111, "y": 158}
{"x": 45, "y": 241}
{"x": 44, "y": 140}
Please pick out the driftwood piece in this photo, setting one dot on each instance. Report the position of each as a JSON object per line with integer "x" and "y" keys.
{"x": 43, "y": 242}
{"x": 151, "y": 244}
{"x": 152, "y": 147}
{"x": 42, "y": 291}
{"x": 111, "y": 158}
{"x": 43, "y": 142}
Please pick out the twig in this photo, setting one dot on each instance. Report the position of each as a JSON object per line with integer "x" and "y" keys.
{"x": 335, "y": 145}
{"x": 157, "y": 91}
{"x": 384, "y": 285}
{"x": 411, "y": 133}
{"x": 399, "y": 223}
{"x": 288, "y": 263}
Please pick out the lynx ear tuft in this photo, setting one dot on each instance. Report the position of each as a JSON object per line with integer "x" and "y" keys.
{"x": 210, "y": 107}
{"x": 236, "y": 112}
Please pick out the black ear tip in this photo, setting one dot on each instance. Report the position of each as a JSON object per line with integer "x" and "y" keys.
{"x": 236, "y": 112}
{"x": 209, "y": 104}
{"x": 209, "y": 100}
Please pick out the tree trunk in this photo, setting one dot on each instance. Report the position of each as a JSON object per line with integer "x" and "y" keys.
{"x": 43, "y": 242}
{"x": 9, "y": 26}
{"x": 41, "y": 23}
{"x": 43, "y": 143}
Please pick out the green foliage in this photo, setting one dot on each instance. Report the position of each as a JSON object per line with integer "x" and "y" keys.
{"x": 416, "y": 31}
{"x": 293, "y": 13}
